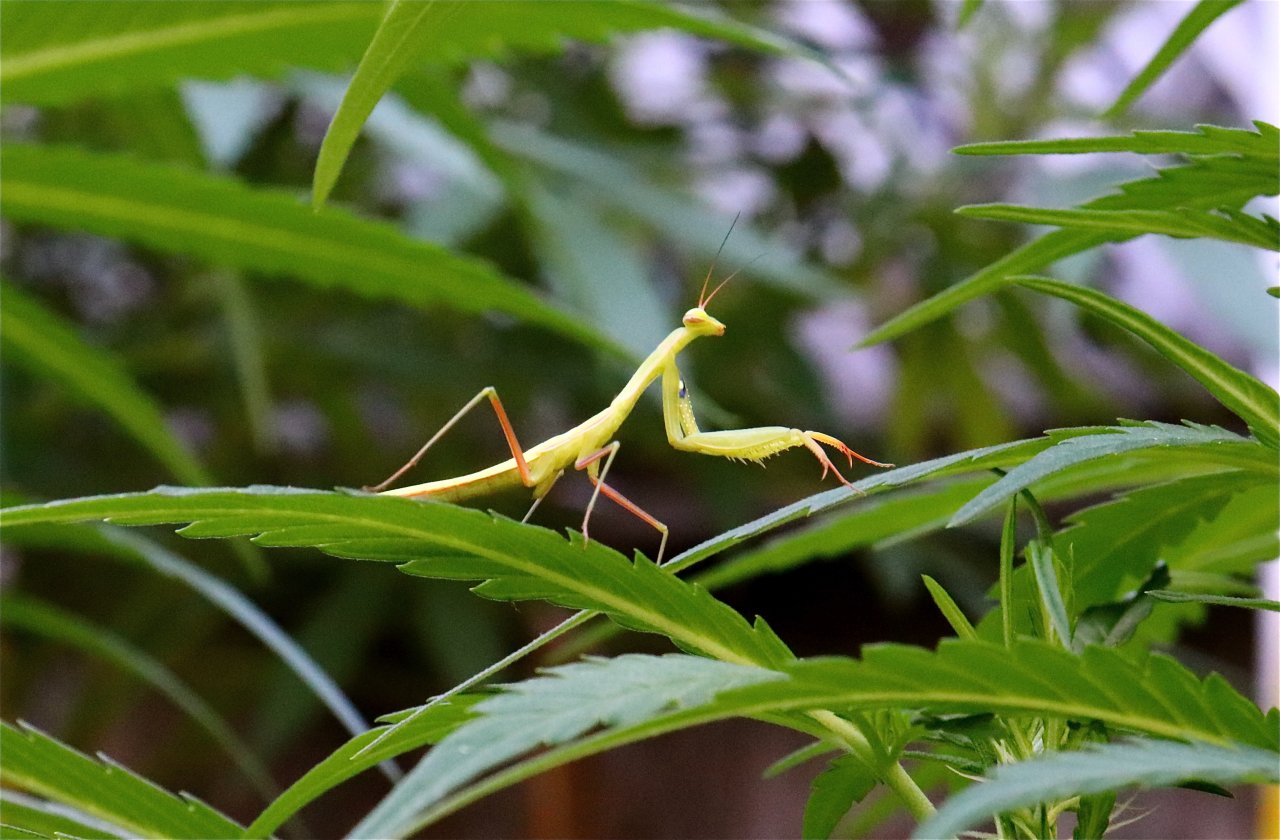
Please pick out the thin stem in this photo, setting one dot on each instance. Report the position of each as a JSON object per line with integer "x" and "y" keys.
{"x": 894, "y": 776}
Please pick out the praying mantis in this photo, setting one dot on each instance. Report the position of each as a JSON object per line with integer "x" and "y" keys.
{"x": 589, "y": 443}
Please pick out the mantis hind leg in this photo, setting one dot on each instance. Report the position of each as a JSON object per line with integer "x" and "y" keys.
{"x": 517, "y": 451}
{"x": 596, "y": 475}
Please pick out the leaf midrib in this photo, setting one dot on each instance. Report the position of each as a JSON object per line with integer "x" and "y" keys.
{"x": 657, "y": 621}
{"x": 83, "y": 52}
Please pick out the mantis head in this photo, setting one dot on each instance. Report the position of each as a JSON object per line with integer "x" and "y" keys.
{"x": 698, "y": 322}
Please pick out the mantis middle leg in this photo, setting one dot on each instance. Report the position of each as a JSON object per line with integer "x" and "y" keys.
{"x": 596, "y": 475}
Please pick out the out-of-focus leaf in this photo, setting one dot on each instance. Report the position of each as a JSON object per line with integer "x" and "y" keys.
{"x": 133, "y": 547}
{"x": 667, "y": 210}
{"x": 1186, "y": 32}
{"x": 267, "y": 231}
{"x": 1245, "y": 395}
{"x": 359, "y": 754}
{"x": 68, "y": 50}
{"x": 30, "y": 615}
{"x": 1212, "y": 182}
{"x": 51, "y": 348}
{"x": 1218, "y": 600}
{"x": 438, "y": 30}
{"x": 1205, "y": 140}
{"x": 1099, "y": 768}
{"x": 37, "y": 763}
{"x": 591, "y": 266}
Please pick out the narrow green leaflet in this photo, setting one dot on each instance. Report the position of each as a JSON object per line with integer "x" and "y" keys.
{"x": 950, "y": 609}
{"x": 1155, "y": 694}
{"x": 1096, "y": 769}
{"x": 1237, "y": 227}
{"x": 46, "y": 819}
{"x": 562, "y": 705}
{"x": 1213, "y": 182}
{"x": 1207, "y": 443}
{"x": 33, "y": 616}
{"x": 433, "y": 539}
{"x": 1043, "y": 566}
{"x": 1186, "y": 32}
{"x": 39, "y": 764}
{"x": 1219, "y": 600}
{"x": 104, "y": 49}
{"x": 266, "y": 231}
{"x": 1205, "y": 140}
{"x": 43, "y": 342}
{"x": 449, "y": 30}
{"x": 1248, "y": 397}
{"x": 399, "y": 39}
{"x": 358, "y": 755}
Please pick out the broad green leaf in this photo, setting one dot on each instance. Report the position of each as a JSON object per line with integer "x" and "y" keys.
{"x": 1205, "y": 140}
{"x": 132, "y": 547}
{"x": 1116, "y": 543}
{"x": 1219, "y": 600}
{"x": 50, "y": 819}
{"x": 266, "y": 231}
{"x": 439, "y": 30}
{"x": 1196, "y": 21}
{"x": 37, "y": 763}
{"x": 844, "y": 782}
{"x": 434, "y": 539}
{"x": 562, "y": 705}
{"x": 1153, "y": 694}
{"x": 1207, "y": 443}
{"x": 1096, "y": 769}
{"x": 1217, "y": 182}
{"x": 1245, "y": 395}
{"x": 39, "y": 339}
{"x": 1237, "y": 227}
{"x": 67, "y": 50}
{"x": 33, "y": 616}
{"x": 356, "y": 756}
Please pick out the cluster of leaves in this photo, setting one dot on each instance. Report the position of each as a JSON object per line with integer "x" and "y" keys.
{"x": 1053, "y": 696}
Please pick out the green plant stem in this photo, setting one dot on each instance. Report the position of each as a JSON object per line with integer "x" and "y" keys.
{"x": 894, "y": 776}
{"x": 1008, "y": 545}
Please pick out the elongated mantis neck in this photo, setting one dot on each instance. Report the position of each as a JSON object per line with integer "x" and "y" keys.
{"x": 651, "y": 368}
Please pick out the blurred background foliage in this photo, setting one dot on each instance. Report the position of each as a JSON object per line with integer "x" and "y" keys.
{"x": 604, "y": 174}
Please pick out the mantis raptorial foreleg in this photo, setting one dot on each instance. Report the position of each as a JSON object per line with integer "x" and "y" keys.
{"x": 596, "y": 475}
{"x": 754, "y": 444}
{"x": 517, "y": 451}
